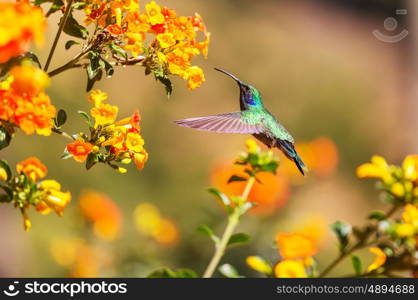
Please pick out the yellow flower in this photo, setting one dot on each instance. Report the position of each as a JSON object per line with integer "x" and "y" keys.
{"x": 409, "y": 167}
{"x": 3, "y": 174}
{"x": 134, "y": 142}
{"x": 195, "y": 77}
{"x": 410, "y": 215}
{"x": 166, "y": 40}
{"x": 252, "y": 146}
{"x": 378, "y": 168}
{"x": 146, "y": 218}
{"x": 154, "y": 13}
{"x": 118, "y": 136}
{"x": 64, "y": 251}
{"x": 97, "y": 97}
{"x": 404, "y": 230}
{"x": 378, "y": 261}
{"x": 398, "y": 189}
{"x": 290, "y": 269}
{"x": 259, "y": 264}
{"x": 295, "y": 245}
{"x": 53, "y": 197}
{"x": 104, "y": 114}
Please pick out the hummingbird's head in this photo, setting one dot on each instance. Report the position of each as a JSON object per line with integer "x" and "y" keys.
{"x": 248, "y": 94}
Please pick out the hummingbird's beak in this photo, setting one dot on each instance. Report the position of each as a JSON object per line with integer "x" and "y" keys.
{"x": 230, "y": 75}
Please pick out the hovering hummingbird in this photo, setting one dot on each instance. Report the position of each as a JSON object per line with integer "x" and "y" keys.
{"x": 253, "y": 119}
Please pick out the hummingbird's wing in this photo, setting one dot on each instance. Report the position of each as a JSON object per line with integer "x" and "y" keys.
{"x": 230, "y": 123}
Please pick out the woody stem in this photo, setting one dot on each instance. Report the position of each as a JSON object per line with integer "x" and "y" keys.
{"x": 57, "y": 36}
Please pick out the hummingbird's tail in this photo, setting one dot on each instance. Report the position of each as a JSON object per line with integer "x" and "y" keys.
{"x": 289, "y": 150}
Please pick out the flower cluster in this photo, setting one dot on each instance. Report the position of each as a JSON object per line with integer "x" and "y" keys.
{"x": 109, "y": 141}
{"x": 26, "y": 189}
{"x": 157, "y": 38}
{"x": 151, "y": 223}
{"x": 399, "y": 183}
{"x": 20, "y": 23}
{"x": 23, "y": 103}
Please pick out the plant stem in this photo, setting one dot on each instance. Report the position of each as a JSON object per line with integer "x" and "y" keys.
{"x": 71, "y": 64}
{"x": 233, "y": 220}
{"x": 359, "y": 245}
{"x": 64, "y": 134}
{"x": 57, "y": 36}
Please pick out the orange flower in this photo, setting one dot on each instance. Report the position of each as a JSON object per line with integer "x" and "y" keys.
{"x": 379, "y": 260}
{"x": 32, "y": 168}
{"x": 102, "y": 212}
{"x": 20, "y": 23}
{"x": 79, "y": 149}
{"x": 29, "y": 79}
{"x": 269, "y": 195}
{"x": 140, "y": 159}
{"x": 295, "y": 246}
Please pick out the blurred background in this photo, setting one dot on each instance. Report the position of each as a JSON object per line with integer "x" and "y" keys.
{"x": 344, "y": 90}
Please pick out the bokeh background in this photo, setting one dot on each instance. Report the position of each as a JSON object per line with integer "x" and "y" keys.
{"x": 343, "y": 93}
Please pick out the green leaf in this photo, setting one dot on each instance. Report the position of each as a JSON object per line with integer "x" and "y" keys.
{"x": 167, "y": 84}
{"x": 239, "y": 238}
{"x": 74, "y": 29}
{"x": 61, "y": 118}
{"x": 162, "y": 273}
{"x": 91, "y": 82}
{"x": 56, "y": 6}
{"x": 377, "y": 215}
{"x": 70, "y": 43}
{"x": 5, "y": 137}
{"x": 108, "y": 68}
{"x": 229, "y": 271}
{"x": 342, "y": 231}
{"x": 209, "y": 232}
{"x": 186, "y": 273}
{"x": 234, "y": 178}
{"x": 5, "y": 166}
{"x": 94, "y": 66}
{"x": 92, "y": 159}
{"x": 355, "y": 260}
{"x": 8, "y": 191}
{"x": 270, "y": 167}
{"x": 66, "y": 154}
{"x": 86, "y": 116}
{"x": 118, "y": 50}
{"x": 225, "y": 200}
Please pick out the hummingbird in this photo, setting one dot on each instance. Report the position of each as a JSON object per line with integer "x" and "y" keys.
{"x": 253, "y": 118}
